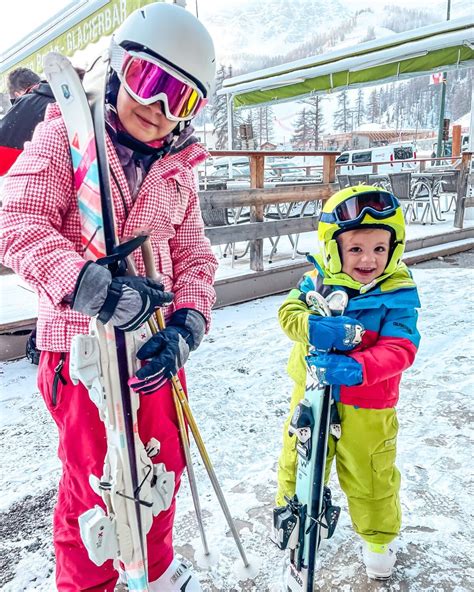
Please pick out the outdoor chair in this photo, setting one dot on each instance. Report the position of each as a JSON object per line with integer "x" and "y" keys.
{"x": 381, "y": 181}
{"x": 343, "y": 181}
{"x": 414, "y": 195}
{"x": 226, "y": 217}
{"x": 358, "y": 180}
{"x": 447, "y": 186}
{"x": 290, "y": 211}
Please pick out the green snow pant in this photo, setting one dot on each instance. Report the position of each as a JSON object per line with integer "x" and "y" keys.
{"x": 365, "y": 464}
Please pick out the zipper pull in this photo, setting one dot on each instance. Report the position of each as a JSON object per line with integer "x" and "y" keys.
{"x": 58, "y": 369}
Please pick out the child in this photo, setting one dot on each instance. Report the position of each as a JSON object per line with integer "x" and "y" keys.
{"x": 164, "y": 66}
{"x": 362, "y": 238}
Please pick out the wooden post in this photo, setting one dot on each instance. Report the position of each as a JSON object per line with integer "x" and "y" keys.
{"x": 456, "y": 151}
{"x": 462, "y": 190}
{"x": 257, "y": 175}
{"x": 329, "y": 168}
{"x": 422, "y": 165}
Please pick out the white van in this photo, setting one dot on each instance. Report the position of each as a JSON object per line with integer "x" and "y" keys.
{"x": 393, "y": 155}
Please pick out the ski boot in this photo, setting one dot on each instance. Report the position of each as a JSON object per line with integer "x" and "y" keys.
{"x": 177, "y": 578}
{"x": 379, "y": 560}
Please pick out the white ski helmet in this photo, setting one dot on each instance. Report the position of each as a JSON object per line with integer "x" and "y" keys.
{"x": 173, "y": 35}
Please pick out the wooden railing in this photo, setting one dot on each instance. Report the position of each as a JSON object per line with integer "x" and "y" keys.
{"x": 256, "y": 198}
{"x": 421, "y": 161}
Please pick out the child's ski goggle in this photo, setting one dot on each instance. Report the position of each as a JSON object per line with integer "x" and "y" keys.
{"x": 379, "y": 204}
{"x": 148, "y": 81}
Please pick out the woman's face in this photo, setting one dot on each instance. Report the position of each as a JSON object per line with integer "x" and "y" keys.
{"x": 146, "y": 123}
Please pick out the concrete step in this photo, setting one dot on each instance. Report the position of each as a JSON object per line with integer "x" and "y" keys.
{"x": 435, "y": 251}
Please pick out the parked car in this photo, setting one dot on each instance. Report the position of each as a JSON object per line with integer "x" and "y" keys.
{"x": 288, "y": 171}
{"x": 394, "y": 155}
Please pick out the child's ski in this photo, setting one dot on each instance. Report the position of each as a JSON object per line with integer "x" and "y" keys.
{"x": 310, "y": 515}
{"x": 132, "y": 488}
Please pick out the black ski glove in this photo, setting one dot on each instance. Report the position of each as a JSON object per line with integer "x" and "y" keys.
{"x": 126, "y": 301}
{"x": 168, "y": 350}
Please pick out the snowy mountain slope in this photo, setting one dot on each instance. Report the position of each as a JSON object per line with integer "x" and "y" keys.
{"x": 273, "y": 28}
{"x": 254, "y": 35}
{"x": 239, "y": 393}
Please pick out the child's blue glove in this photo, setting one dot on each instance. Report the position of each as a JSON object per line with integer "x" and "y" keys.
{"x": 336, "y": 369}
{"x": 328, "y": 333}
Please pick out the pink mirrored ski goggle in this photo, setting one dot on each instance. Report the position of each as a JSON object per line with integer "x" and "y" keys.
{"x": 148, "y": 81}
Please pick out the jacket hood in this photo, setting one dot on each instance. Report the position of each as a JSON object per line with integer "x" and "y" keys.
{"x": 43, "y": 88}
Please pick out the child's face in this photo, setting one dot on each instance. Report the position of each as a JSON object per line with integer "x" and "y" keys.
{"x": 146, "y": 123}
{"x": 364, "y": 253}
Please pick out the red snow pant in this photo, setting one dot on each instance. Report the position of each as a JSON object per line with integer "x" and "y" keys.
{"x": 82, "y": 447}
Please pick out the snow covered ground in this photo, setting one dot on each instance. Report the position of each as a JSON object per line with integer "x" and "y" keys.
{"x": 239, "y": 395}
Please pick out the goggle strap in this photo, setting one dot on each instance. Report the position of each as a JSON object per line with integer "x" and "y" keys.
{"x": 116, "y": 56}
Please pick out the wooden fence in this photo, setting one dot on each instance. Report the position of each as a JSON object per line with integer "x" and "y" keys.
{"x": 256, "y": 198}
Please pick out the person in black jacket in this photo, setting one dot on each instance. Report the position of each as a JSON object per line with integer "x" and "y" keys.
{"x": 30, "y": 96}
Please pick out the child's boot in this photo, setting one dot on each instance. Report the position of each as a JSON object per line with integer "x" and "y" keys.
{"x": 379, "y": 559}
{"x": 177, "y": 578}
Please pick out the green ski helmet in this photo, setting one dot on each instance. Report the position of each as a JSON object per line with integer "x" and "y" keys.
{"x": 361, "y": 206}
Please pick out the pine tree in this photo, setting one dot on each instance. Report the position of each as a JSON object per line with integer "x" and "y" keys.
{"x": 373, "y": 110}
{"x": 263, "y": 124}
{"x": 219, "y": 111}
{"x": 343, "y": 114}
{"x": 315, "y": 121}
{"x": 458, "y": 93}
{"x": 301, "y": 139}
{"x": 359, "y": 110}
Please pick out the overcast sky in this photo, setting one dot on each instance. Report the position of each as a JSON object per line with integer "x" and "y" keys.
{"x": 19, "y": 17}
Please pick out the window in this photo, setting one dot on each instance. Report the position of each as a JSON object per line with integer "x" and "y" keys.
{"x": 362, "y": 157}
{"x": 343, "y": 158}
{"x": 403, "y": 153}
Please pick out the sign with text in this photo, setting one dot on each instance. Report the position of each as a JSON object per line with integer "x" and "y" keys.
{"x": 100, "y": 23}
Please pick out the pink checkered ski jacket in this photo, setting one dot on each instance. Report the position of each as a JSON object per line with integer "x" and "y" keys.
{"x": 40, "y": 228}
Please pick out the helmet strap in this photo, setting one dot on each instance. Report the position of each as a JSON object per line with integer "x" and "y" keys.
{"x": 394, "y": 257}
{"x": 333, "y": 256}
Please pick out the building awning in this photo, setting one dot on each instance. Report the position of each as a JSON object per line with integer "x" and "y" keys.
{"x": 443, "y": 46}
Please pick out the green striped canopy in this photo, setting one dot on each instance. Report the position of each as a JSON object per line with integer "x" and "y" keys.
{"x": 444, "y": 46}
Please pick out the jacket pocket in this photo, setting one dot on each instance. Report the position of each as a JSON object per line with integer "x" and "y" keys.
{"x": 31, "y": 165}
{"x": 57, "y": 380}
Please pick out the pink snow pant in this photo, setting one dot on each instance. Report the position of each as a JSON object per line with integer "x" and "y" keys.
{"x": 82, "y": 448}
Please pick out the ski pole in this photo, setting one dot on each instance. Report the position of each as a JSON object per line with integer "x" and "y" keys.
{"x": 210, "y": 469}
{"x": 154, "y": 325}
{"x": 181, "y": 395}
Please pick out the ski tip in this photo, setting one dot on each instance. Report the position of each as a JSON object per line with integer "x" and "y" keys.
{"x": 54, "y": 62}
{"x": 249, "y": 572}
